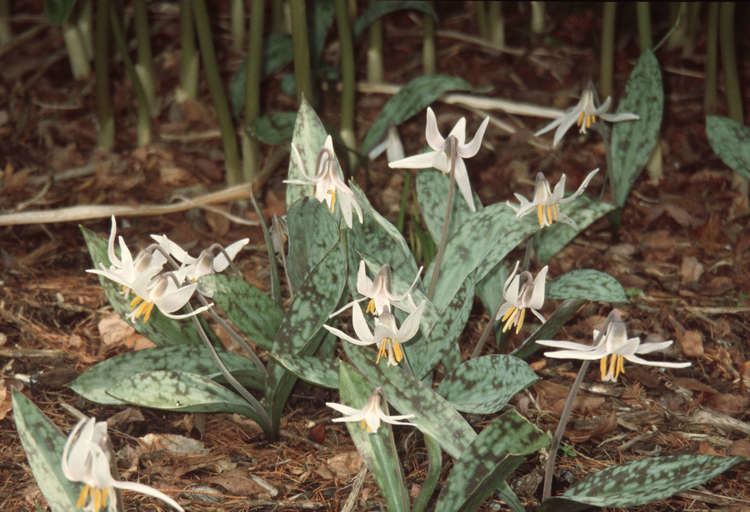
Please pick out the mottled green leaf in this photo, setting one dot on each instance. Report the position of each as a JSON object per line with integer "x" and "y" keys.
{"x": 490, "y": 459}
{"x": 633, "y": 141}
{"x": 311, "y": 369}
{"x": 376, "y": 10}
{"x": 587, "y": 284}
{"x": 95, "y": 382}
{"x": 731, "y": 142}
{"x": 410, "y": 100}
{"x": 178, "y": 391}
{"x": 43, "y": 444}
{"x": 250, "y": 309}
{"x": 641, "y": 481}
{"x": 584, "y": 211}
{"x": 490, "y": 288}
{"x": 312, "y": 233}
{"x": 432, "y": 194}
{"x": 434, "y": 415}
{"x": 159, "y": 329}
{"x": 482, "y": 241}
{"x": 548, "y": 329}
{"x": 308, "y": 137}
{"x": 274, "y": 128}
{"x": 377, "y": 449}
{"x": 485, "y": 385}
{"x": 58, "y": 11}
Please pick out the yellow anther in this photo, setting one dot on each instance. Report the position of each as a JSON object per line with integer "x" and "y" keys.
{"x": 603, "y": 367}
{"x": 133, "y": 303}
{"x": 371, "y": 307}
{"x": 382, "y": 348}
{"x": 612, "y": 366}
{"x": 82, "y": 497}
{"x": 97, "y": 495}
{"x": 580, "y": 118}
{"x": 550, "y": 211}
{"x": 521, "y": 316}
{"x": 147, "y": 313}
{"x": 622, "y": 365}
{"x": 398, "y": 352}
{"x": 540, "y": 214}
{"x": 508, "y": 313}
{"x": 511, "y": 318}
{"x": 364, "y": 425}
{"x": 332, "y": 193}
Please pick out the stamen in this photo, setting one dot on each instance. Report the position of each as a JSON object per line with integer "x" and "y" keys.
{"x": 82, "y": 497}
{"x": 398, "y": 352}
{"x": 332, "y": 193}
{"x": 97, "y": 500}
{"x": 148, "y": 311}
{"x": 381, "y": 349}
{"x": 540, "y": 214}
{"x": 589, "y": 121}
{"x": 556, "y": 211}
{"x": 580, "y": 118}
{"x": 612, "y": 366}
{"x": 620, "y": 365}
{"x": 521, "y": 316}
{"x": 364, "y": 425}
{"x": 603, "y": 368}
{"x": 507, "y": 313}
{"x": 371, "y": 307}
{"x": 511, "y": 320}
{"x": 549, "y": 214}
{"x": 105, "y": 497}
{"x": 133, "y": 303}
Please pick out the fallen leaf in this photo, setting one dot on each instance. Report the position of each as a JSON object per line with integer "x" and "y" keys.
{"x": 239, "y": 482}
{"x": 317, "y": 433}
{"x": 729, "y": 403}
{"x": 5, "y": 402}
{"x": 740, "y": 448}
{"x": 691, "y": 343}
{"x": 174, "y": 444}
{"x": 116, "y": 331}
{"x": 691, "y": 270}
{"x": 218, "y": 223}
{"x": 345, "y": 465}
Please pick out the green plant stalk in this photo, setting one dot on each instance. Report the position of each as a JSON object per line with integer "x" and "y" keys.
{"x": 496, "y": 24}
{"x": 677, "y": 18}
{"x": 643, "y": 13}
{"x": 729, "y": 61}
{"x": 606, "y": 74}
{"x": 106, "y": 135}
{"x": 429, "y": 60}
{"x": 213, "y": 77}
{"x": 143, "y": 114}
{"x": 275, "y": 283}
{"x": 300, "y": 42}
{"x": 375, "y": 53}
{"x": 693, "y": 20}
{"x": 435, "y": 460}
{"x": 84, "y": 23}
{"x": 237, "y": 22}
{"x": 277, "y": 16}
{"x": 347, "y": 79}
{"x": 482, "y": 23}
{"x": 145, "y": 64}
{"x": 6, "y": 33}
{"x": 712, "y": 60}
{"x": 444, "y": 230}
{"x": 404, "y": 203}
{"x": 77, "y": 54}
{"x": 537, "y": 17}
{"x": 250, "y": 149}
{"x": 188, "y": 87}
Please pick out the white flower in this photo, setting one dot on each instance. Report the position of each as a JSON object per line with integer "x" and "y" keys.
{"x": 392, "y": 146}
{"x": 86, "y": 459}
{"x": 614, "y": 345}
{"x": 519, "y": 296}
{"x": 378, "y": 290}
{"x": 584, "y": 114}
{"x": 206, "y": 263}
{"x": 547, "y": 202}
{"x": 439, "y": 157}
{"x": 386, "y": 336}
{"x": 328, "y": 183}
{"x": 164, "y": 293}
{"x": 370, "y": 415}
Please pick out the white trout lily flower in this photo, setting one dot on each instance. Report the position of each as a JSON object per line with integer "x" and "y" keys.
{"x": 86, "y": 459}
{"x": 213, "y": 260}
{"x": 370, "y": 416}
{"x": 615, "y": 346}
{"x": 547, "y": 202}
{"x": 168, "y": 297}
{"x": 522, "y": 291}
{"x": 444, "y": 150}
{"x": 378, "y": 290}
{"x": 386, "y": 336}
{"x": 584, "y": 114}
{"x": 329, "y": 186}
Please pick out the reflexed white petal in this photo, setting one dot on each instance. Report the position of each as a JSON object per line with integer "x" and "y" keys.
{"x": 570, "y": 345}
{"x": 220, "y": 261}
{"x": 503, "y": 309}
{"x": 472, "y": 148}
{"x": 663, "y": 364}
{"x": 524, "y": 208}
{"x": 464, "y": 186}
{"x": 394, "y": 421}
{"x": 411, "y": 325}
{"x": 537, "y": 296}
{"x": 195, "y": 312}
{"x": 299, "y": 182}
{"x": 173, "y": 249}
{"x": 345, "y": 204}
{"x": 422, "y": 161}
{"x": 364, "y": 283}
{"x": 360, "y": 324}
{"x": 459, "y": 131}
{"x": 616, "y": 118}
{"x": 343, "y": 409}
{"x": 174, "y": 298}
{"x": 537, "y": 314}
{"x": 582, "y": 187}
{"x": 576, "y": 354}
{"x": 647, "y": 348}
{"x": 549, "y": 127}
{"x": 559, "y": 192}
{"x": 113, "y": 259}
{"x": 342, "y": 335}
{"x": 149, "y": 491}
{"x": 126, "y": 258}
{"x": 112, "y": 276}
{"x": 75, "y": 450}
{"x": 566, "y": 123}
{"x": 604, "y": 107}
{"x": 510, "y": 293}
{"x": 432, "y": 132}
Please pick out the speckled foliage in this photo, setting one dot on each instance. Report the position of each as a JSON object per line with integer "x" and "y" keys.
{"x": 731, "y": 142}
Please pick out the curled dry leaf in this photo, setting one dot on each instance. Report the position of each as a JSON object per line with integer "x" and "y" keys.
{"x": 691, "y": 343}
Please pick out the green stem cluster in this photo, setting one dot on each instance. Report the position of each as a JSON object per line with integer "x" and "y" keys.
{"x": 729, "y": 61}
{"x": 429, "y": 59}
{"x": 347, "y": 78}
{"x": 301, "y": 46}
{"x": 375, "y": 53}
{"x": 712, "y": 60}
{"x": 606, "y": 75}
{"x": 6, "y": 33}
{"x": 106, "y": 134}
{"x": 254, "y": 67}
{"x": 145, "y": 65}
{"x": 237, "y": 23}
{"x": 188, "y": 87}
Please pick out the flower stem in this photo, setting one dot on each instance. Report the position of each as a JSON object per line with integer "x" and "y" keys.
{"x": 404, "y": 204}
{"x": 347, "y": 80}
{"x": 712, "y": 61}
{"x": 496, "y": 34}
{"x": 213, "y": 77}
{"x": 485, "y": 333}
{"x": 429, "y": 60}
{"x": 300, "y": 42}
{"x": 106, "y": 135}
{"x": 250, "y": 150}
{"x": 482, "y": 21}
{"x": 275, "y": 286}
{"x": 537, "y": 17}
{"x": 237, "y": 22}
{"x": 729, "y": 61}
{"x": 77, "y": 54}
{"x": 277, "y": 17}
{"x": 375, "y": 53}
{"x": 188, "y": 88}
{"x": 444, "y": 231}
{"x": 608, "y": 49}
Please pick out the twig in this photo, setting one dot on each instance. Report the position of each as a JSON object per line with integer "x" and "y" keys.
{"x": 359, "y": 480}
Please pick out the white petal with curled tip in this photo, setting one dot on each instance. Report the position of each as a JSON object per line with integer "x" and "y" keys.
{"x": 616, "y": 118}
{"x": 459, "y": 131}
{"x": 510, "y": 294}
{"x": 422, "y": 161}
{"x": 663, "y": 364}
{"x": 396, "y": 420}
{"x": 464, "y": 186}
{"x": 220, "y": 261}
{"x": 345, "y": 409}
{"x": 582, "y": 186}
{"x": 149, "y": 491}
{"x": 559, "y": 191}
{"x": 552, "y": 125}
{"x": 360, "y": 324}
{"x": 364, "y": 283}
{"x": 112, "y": 276}
{"x": 537, "y": 296}
{"x": 604, "y": 107}
{"x": 432, "y": 132}
{"x": 411, "y": 325}
{"x": 472, "y": 148}
{"x": 578, "y": 354}
{"x": 566, "y": 123}
{"x": 113, "y": 259}
{"x": 195, "y": 312}
{"x": 174, "y": 298}
{"x": 173, "y": 249}
{"x": 75, "y": 452}
{"x": 342, "y": 335}
{"x": 647, "y": 348}
{"x": 569, "y": 345}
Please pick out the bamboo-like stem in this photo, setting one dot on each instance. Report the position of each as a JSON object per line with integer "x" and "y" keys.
{"x": 729, "y": 61}
{"x": 84, "y": 22}
{"x": 693, "y": 21}
{"x": 445, "y": 230}
{"x": 277, "y": 16}
{"x": 145, "y": 65}
{"x": 643, "y": 13}
{"x": 77, "y": 54}
{"x": 375, "y": 53}
{"x": 250, "y": 149}
{"x": 537, "y": 17}
{"x": 606, "y": 74}
{"x": 404, "y": 203}
{"x": 677, "y": 19}
{"x": 712, "y": 59}
{"x": 496, "y": 23}
{"x": 480, "y": 9}
{"x": 429, "y": 59}
{"x": 143, "y": 113}
{"x": 300, "y": 42}
{"x": 106, "y": 134}
{"x": 347, "y": 79}
{"x": 275, "y": 283}
{"x": 215, "y": 86}
{"x": 6, "y": 33}
{"x": 188, "y": 87}
{"x": 237, "y": 23}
